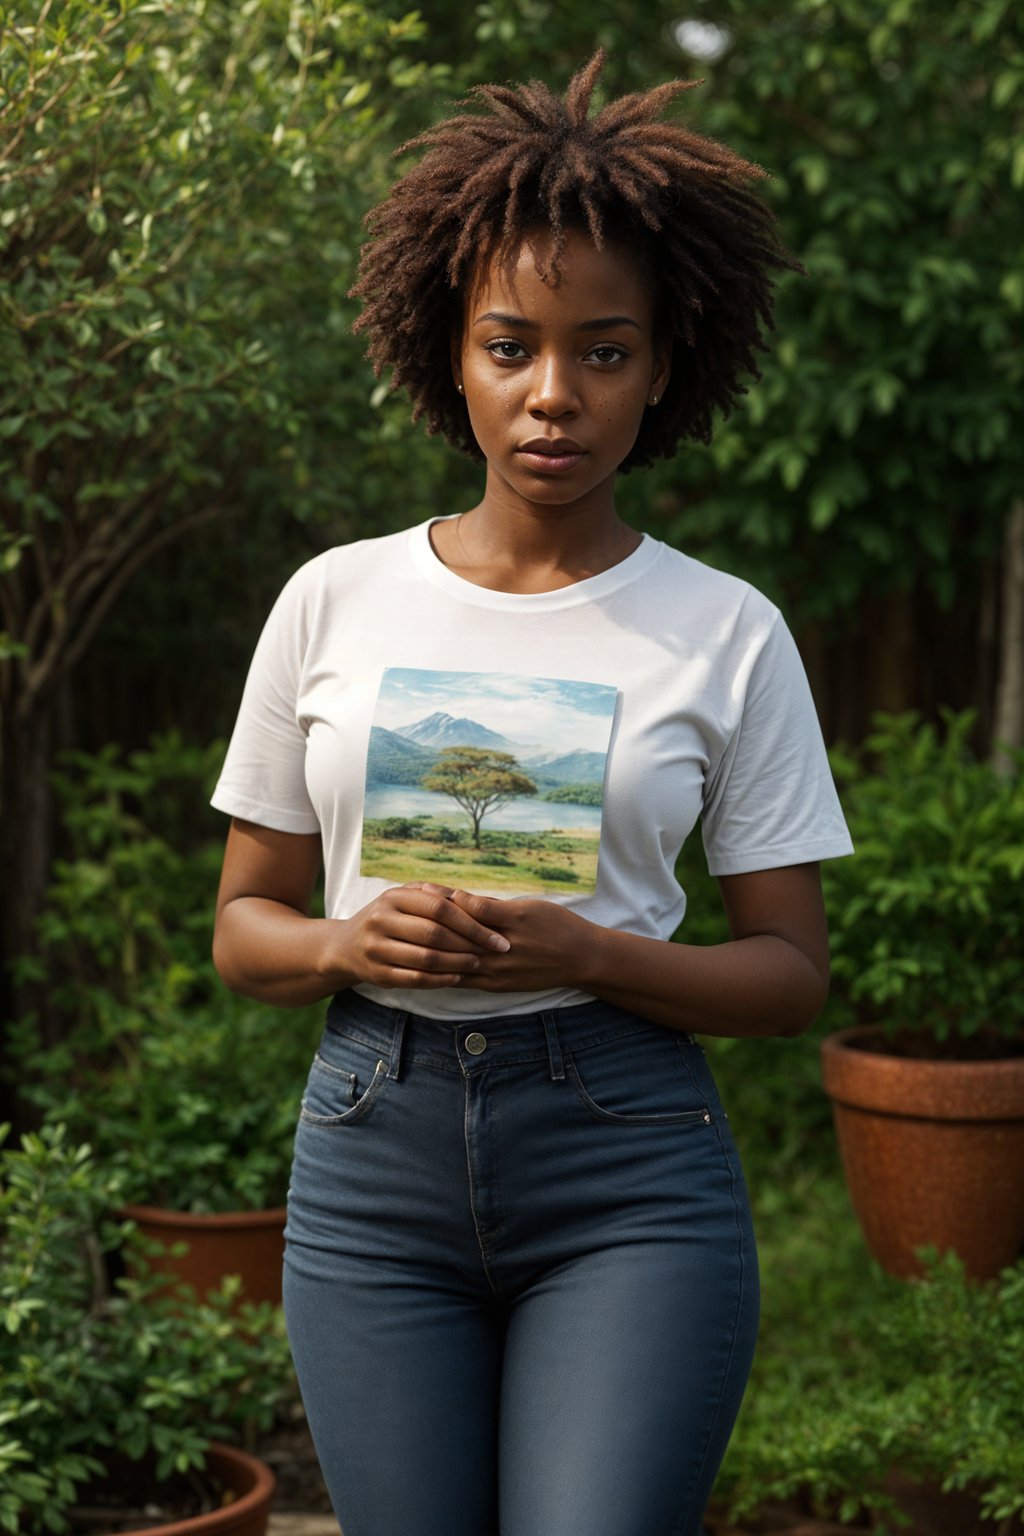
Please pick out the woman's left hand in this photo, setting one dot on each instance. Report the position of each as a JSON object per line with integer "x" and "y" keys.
{"x": 550, "y": 945}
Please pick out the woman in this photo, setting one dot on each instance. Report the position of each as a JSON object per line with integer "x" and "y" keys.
{"x": 521, "y": 1282}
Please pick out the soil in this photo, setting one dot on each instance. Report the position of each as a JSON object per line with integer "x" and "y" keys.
{"x": 123, "y": 1500}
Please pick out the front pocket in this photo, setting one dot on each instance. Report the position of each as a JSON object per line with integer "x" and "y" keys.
{"x": 639, "y": 1079}
{"x": 333, "y": 1096}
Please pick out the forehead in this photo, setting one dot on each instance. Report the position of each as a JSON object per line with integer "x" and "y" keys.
{"x": 591, "y": 283}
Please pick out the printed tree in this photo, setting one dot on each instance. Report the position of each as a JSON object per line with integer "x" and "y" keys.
{"x": 478, "y": 781}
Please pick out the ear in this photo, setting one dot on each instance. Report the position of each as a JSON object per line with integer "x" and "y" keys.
{"x": 661, "y": 372}
{"x": 456, "y": 359}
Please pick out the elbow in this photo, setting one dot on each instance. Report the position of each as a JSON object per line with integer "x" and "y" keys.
{"x": 223, "y": 962}
{"x": 806, "y": 1004}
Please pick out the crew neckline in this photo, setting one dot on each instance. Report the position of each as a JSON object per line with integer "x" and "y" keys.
{"x": 590, "y": 590}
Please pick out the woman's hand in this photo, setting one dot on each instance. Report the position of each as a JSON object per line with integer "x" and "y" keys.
{"x": 549, "y": 946}
{"x": 413, "y": 935}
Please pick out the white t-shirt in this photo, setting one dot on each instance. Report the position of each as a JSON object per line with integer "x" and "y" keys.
{"x": 634, "y": 702}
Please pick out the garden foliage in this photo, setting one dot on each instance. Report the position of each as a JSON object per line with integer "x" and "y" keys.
{"x": 190, "y": 1092}
{"x": 858, "y": 1373}
{"x": 90, "y": 1370}
{"x": 928, "y": 918}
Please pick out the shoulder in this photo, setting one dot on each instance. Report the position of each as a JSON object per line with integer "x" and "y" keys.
{"x": 329, "y": 573}
{"x": 711, "y": 600}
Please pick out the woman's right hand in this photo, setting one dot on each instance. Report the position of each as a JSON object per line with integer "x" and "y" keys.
{"x": 409, "y": 936}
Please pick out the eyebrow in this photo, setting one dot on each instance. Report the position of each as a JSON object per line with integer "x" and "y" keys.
{"x": 520, "y": 323}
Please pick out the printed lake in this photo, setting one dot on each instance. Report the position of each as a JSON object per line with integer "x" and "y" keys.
{"x": 525, "y": 815}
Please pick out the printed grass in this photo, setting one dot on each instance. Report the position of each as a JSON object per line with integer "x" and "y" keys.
{"x": 513, "y": 864}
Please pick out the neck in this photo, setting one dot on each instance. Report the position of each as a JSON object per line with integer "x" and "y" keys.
{"x": 512, "y": 545}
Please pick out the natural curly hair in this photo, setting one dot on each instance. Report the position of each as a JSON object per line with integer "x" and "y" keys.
{"x": 672, "y": 197}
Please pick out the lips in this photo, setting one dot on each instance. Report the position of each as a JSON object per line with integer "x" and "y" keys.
{"x": 551, "y": 454}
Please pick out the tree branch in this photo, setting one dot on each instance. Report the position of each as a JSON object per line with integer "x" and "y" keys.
{"x": 102, "y": 607}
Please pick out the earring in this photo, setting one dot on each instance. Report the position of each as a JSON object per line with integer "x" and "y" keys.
{"x": 459, "y": 388}
{"x": 655, "y": 399}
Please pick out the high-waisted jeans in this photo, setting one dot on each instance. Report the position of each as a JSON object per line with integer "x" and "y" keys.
{"x": 520, "y": 1281}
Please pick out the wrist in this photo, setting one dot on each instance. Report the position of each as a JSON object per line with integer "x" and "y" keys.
{"x": 332, "y": 960}
{"x": 594, "y": 957}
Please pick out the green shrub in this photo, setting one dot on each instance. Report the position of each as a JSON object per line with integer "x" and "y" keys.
{"x": 86, "y": 1371}
{"x": 858, "y": 1373}
{"x": 555, "y": 873}
{"x": 497, "y": 859}
{"x": 397, "y": 828}
{"x": 928, "y": 917}
{"x": 190, "y": 1091}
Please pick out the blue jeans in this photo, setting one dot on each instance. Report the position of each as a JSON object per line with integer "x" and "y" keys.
{"x": 520, "y": 1280}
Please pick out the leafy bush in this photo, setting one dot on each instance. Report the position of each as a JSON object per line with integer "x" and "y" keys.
{"x": 497, "y": 859}
{"x": 191, "y": 1092}
{"x": 396, "y": 828}
{"x": 195, "y": 1108}
{"x": 858, "y": 1373}
{"x": 928, "y": 917}
{"x": 555, "y": 873}
{"x": 86, "y": 1372}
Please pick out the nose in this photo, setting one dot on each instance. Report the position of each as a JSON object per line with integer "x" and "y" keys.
{"x": 552, "y": 390}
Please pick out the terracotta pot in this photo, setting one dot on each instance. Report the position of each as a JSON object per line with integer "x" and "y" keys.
{"x": 246, "y": 1243}
{"x": 933, "y": 1151}
{"x": 250, "y": 1480}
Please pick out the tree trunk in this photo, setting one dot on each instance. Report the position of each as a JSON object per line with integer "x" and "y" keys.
{"x": 1008, "y": 725}
{"x": 24, "y": 864}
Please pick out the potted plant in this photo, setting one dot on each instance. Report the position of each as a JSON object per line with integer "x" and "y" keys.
{"x": 197, "y": 1117}
{"x": 191, "y": 1093}
{"x": 114, "y": 1399}
{"x": 928, "y": 943}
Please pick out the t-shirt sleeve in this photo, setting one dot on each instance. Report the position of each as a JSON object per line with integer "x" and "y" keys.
{"x": 770, "y": 799}
{"x": 263, "y": 778}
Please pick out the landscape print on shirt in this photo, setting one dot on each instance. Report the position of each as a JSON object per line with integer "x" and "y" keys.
{"x": 490, "y": 781}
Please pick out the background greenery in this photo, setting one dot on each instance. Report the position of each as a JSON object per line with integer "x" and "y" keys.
{"x": 185, "y": 418}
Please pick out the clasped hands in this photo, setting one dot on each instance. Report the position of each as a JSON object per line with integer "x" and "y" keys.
{"x": 426, "y": 935}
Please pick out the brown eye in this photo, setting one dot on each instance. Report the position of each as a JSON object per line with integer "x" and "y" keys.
{"x": 608, "y": 353}
{"x": 509, "y": 351}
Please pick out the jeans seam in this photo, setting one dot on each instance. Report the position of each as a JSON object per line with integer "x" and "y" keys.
{"x": 693, "y": 1081}
{"x": 680, "y": 1527}
{"x": 480, "y": 1240}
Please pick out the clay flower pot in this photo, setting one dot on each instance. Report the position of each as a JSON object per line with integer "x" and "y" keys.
{"x": 250, "y": 1480}
{"x": 933, "y": 1151}
{"x": 246, "y": 1243}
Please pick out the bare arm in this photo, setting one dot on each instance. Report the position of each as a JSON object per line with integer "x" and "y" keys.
{"x": 266, "y": 945}
{"x": 771, "y": 978}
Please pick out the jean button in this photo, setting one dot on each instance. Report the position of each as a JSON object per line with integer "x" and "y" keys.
{"x": 475, "y": 1044}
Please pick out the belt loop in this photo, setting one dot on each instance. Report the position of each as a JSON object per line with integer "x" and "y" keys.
{"x": 396, "y": 1046}
{"x": 554, "y": 1049}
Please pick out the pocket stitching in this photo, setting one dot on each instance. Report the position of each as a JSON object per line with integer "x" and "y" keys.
{"x": 673, "y": 1117}
{"x": 354, "y": 1112}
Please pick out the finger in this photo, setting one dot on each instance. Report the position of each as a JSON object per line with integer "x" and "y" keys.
{"x": 419, "y": 957}
{"x": 428, "y": 885}
{"x": 427, "y": 933}
{"x": 489, "y": 910}
{"x": 449, "y": 914}
{"x": 403, "y": 976}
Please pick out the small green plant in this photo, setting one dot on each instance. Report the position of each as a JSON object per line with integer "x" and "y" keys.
{"x": 190, "y": 1092}
{"x": 555, "y": 873}
{"x": 858, "y": 1373}
{"x": 928, "y": 916}
{"x": 90, "y": 1372}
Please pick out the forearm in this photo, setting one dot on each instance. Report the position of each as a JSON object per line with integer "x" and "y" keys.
{"x": 757, "y": 986}
{"x": 269, "y": 951}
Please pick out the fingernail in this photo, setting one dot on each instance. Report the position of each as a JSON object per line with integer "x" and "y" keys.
{"x": 498, "y": 942}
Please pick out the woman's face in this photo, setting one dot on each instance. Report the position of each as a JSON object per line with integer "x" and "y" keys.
{"x": 557, "y": 378}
